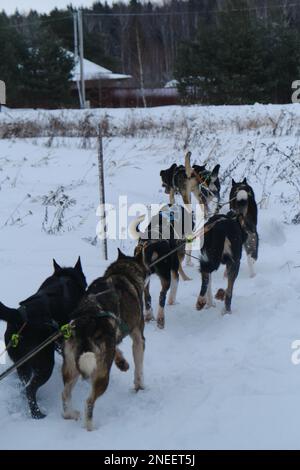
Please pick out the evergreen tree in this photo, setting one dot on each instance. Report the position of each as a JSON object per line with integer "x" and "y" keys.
{"x": 46, "y": 71}
{"x": 12, "y": 52}
{"x": 242, "y": 59}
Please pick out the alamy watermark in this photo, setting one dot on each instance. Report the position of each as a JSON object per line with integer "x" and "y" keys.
{"x": 295, "y": 357}
{"x": 296, "y": 94}
{"x": 3, "y": 354}
{"x": 123, "y": 222}
{"x": 2, "y": 92}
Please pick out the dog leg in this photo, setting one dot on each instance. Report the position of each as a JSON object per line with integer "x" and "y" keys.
{"x": 251, "y": 262}
{"x": 24, "y": 373}
{"x": 172, "y": 196}
{"x": 138, "y": 348}
{"x": 251, "y": 249}
{"x": 120, "y": 361}
{"x": 189, "y": 261}
{"x": 174, "y": 287}
{"x": 232, "y": 270}
{"x": 148, "y": 307}
{"x": 70, "y": 375}
{"x": 202, "y": 299}
{"x": 165, "y": 285}
{"x": 42, "y": 367}
{"x": 184, "y": 277}
{"x": 202, "y": 202}
{"x": 37, "y": 380}
{"x": 99, "y": 385}
{"x": 210, "y": 302}
{"x": 181, "y": 256}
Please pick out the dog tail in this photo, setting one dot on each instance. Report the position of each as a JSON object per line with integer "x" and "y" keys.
{"x": 10, "y": 315}
{"x": 87, "y": 364}
{"x": 187, "y": 163}
{"x": 133, "y": 229}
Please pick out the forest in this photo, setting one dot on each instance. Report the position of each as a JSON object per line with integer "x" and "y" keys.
{"x": 218, "y": 51}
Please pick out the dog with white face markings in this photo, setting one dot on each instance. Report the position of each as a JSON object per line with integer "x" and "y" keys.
{"x": 164, "y": 237}
{"x": 242, "y": 201}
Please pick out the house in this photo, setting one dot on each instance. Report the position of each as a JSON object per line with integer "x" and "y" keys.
{"x": 106, "y": 89}
{"x": 99, "y": 83}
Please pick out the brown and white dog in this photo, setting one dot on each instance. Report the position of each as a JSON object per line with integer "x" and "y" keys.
{"x": 110, "y": 310}
{"x": 187, "y": 180}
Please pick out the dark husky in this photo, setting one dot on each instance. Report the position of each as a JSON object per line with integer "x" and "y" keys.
{"x": 242, "y": 201}
{"x": 43, "y": 312}
{"x": 110, "y": 310}
{"x": 196, "y": 179}
{"x": 223, "y": 243}
{"x": 165, "y": 232}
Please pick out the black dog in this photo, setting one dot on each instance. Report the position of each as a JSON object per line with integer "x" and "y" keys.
{"x": 164, "y": 235}
{"x": 242, "y": 201}
{"x": 223, "y": 241}
{"x": 43, "y": 313}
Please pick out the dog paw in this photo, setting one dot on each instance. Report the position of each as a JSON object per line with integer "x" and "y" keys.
{"x": 149, "y": 316}
{"x": 201, "y": 302}
{"x": 220, "y": 295}
{"x": 138, "y": 387}
{"x": 89, "y": 426}
{"x": 71, "y": 414}
{"x": 161, "y": 323}
{"x": 123, "y": 365}
{"x": 37, "y": 414}
{"x": 210, "y": 305}
{"x": 226, "y": 312}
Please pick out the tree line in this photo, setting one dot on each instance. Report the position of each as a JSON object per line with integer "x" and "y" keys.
{"x": 219, "y": 51}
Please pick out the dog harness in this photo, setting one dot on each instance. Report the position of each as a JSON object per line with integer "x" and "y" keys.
{"x": 122, "y": 325}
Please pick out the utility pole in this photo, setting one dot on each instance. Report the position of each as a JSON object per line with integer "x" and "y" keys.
{"x": 102, "y": 193}
{"x": 76, "y": 53}
{"x": 81, "y": 57}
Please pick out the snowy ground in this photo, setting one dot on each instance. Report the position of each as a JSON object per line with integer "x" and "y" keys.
{"x": 212, "y": 381}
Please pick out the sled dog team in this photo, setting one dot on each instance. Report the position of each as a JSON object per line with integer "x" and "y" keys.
{"x": 118, "y": 303}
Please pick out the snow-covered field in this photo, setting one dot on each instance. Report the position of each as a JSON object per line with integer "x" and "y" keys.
{"x": 212, "y": 381}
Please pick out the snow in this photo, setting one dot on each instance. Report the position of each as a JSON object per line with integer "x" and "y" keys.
{"x": 212, "y": 381}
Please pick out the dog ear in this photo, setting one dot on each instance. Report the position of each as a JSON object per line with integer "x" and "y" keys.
{"x": 139, "y": 256}
{"x": 245, "y": 180}
{"x": 78, "y": 265}
{"x": 56, "y": 266}
{"x": 215, "y": 172}
{"x": 120, "y": 254}
{"x": 233, "y": 183}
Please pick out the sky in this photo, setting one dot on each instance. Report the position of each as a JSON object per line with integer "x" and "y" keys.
{"x": 40, "y": 5}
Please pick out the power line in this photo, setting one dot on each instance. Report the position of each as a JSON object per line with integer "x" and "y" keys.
{"x": 199, "y": 12}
